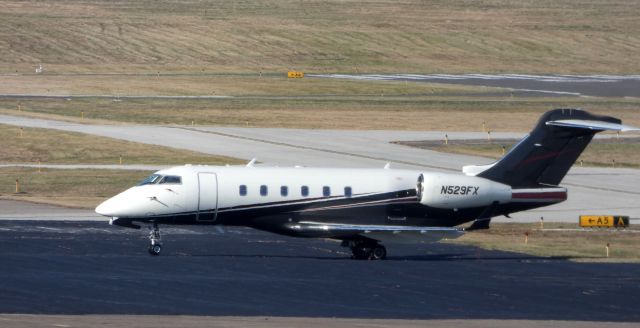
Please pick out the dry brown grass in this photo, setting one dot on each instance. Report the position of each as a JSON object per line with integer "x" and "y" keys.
{"x": 564, "y": 36}
{"x": 57, "y": 147}
{"x": 621, "y": 152}
{"x": 559, "y": 240}
{"x": 220, "y": 48}
{"x": 275, "y": 85}
{"x": 437, "y": 113}
{"x": 612, "y": 154}
{"x": 70, "y": 188}
{"x": 84, "y": 188}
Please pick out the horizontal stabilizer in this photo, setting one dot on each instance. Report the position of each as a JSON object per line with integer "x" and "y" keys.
{"x": 593, "y": 125}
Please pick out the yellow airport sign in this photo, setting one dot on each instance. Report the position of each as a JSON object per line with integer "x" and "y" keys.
{"x": 295, "y": 74}
{"x": 604, "y": 221}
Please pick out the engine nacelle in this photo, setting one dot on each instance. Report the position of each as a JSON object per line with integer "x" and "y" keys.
{"x": 452, "y": 191}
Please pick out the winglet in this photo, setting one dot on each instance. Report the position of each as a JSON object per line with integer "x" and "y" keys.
{"x": 251, "y": 162}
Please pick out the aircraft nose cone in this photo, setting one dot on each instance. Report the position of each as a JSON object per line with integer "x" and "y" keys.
{"x": 117, "y": 206}
{"x": 124, "y": 204}
{"x": 106, "y": 208}
{"x": 135, "y": 203}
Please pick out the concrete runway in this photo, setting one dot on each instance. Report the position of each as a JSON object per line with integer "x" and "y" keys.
{"x": 53, "y": 267}
{"x": 620, "y": 86}
{"x": 591, "y": 190}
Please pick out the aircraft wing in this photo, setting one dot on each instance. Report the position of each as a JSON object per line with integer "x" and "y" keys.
{"x": 409, "y": 234}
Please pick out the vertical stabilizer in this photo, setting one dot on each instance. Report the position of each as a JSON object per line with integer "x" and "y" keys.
{"x": 545, "y": 156}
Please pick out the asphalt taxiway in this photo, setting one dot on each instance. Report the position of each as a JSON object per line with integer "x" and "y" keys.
{"x": 58, "y": 267}
{"x": 620, "y": 86}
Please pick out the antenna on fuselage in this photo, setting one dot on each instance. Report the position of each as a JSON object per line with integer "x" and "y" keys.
{"x": 251, "y": 162}
{"x": 387, "y": 166}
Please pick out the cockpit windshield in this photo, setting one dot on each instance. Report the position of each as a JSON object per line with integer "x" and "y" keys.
{"x": 152, "y": 179}
{"x": 171, "y": 179}
{"x": 159, "y": 179}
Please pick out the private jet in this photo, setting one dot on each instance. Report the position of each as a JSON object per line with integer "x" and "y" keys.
{"x": 364, "y": 207}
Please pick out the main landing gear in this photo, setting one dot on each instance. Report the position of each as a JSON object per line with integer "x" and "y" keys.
{"x": 155, "y": 245}
{"x": 366, "y": 249}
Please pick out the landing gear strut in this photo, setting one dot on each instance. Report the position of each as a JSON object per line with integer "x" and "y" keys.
{"x": 155, "y": 245}
{"x": 366, "y": 249}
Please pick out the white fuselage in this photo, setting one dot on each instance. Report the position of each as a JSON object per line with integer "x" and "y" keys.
{"x": 229, "y": 187}
{"x": 204, "y": 194}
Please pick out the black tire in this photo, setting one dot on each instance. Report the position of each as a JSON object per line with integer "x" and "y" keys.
{"x": 155, "y": 249}
{"x": 378, "y": 252}
{"x": 361, "y": 253}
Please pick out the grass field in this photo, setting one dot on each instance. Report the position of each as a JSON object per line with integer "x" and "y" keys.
{"x": 564, "y": 36}
{"x": 33, "y": 145}
{"x": 243, "y": 49}
{"x": 71, "y": 188}
{"x": 419, "y": 112}
{"x": 84, "y": 188}
{"x": 559, "y": 240}
{"x": 253, "y": 85}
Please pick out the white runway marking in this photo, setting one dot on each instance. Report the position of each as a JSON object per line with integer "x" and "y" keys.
{"x": 550, "y": 92}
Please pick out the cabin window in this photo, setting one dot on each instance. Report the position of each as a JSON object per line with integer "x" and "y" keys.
{"x": 284, "y": 191}
{"x": 347, "y": 191}
{"x": 152, "y": 179}
{"x": 263, "y": 190}
{"x": 326, "y": 191}
{"x": 171, "y": 179}
{"x": 243, "y": 190}
{"x": 304, "y": 191}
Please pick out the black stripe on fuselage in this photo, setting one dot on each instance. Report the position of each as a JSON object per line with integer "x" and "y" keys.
{"x": 298, "y": 205}
{"x": 390, "y": 208}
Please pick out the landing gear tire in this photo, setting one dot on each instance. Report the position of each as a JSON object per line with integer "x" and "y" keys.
{"x": 360, "y": 253}
{"x": 363, "y": 251}
{"x": 378, "y": 252}
{"x": 155, "y": 249}
{"x": 155, "y": 245}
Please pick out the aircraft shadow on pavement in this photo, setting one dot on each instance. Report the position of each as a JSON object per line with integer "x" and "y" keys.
{"x": 453, "y": 257}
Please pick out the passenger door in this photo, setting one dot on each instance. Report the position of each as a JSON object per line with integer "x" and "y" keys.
{"x": 207, "y": 197}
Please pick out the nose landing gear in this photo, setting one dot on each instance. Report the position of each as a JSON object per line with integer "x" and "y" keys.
{"x": 155, "y": 245}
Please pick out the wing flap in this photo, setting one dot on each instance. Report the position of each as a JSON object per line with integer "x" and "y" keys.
{"x": 409, "y": 234}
